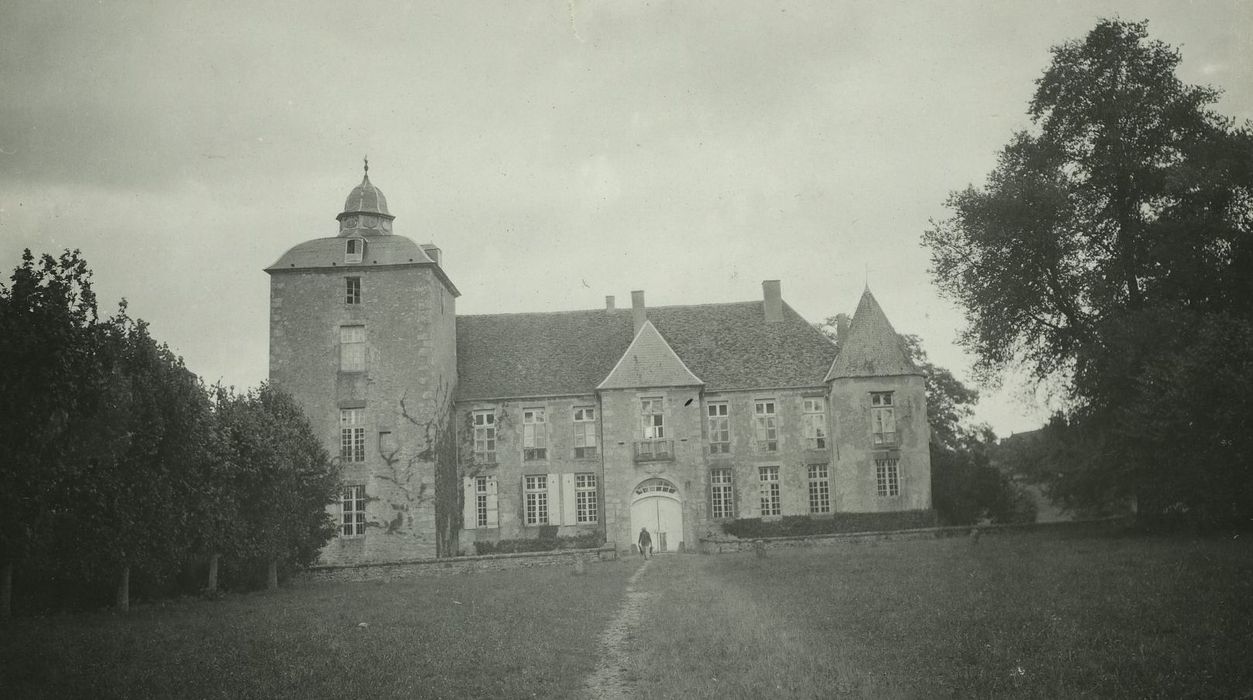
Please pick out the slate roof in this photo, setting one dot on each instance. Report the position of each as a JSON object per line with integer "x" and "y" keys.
{"x": 379, "y": 250}
{"x": 366, "y": 199}
{"x": 729, "y": 346}
{"x": 649, "y": 361}
{"x": 873, "y": 348}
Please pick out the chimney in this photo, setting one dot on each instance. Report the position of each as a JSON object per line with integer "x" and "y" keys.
{"x": 638, "y": 314}
{"x": 608, "y": 302}
{"x": 841, "y": 329}
{"x": 432, "y": 252}
{"x": 773, "y": 300}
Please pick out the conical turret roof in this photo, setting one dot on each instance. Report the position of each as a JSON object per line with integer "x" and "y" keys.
{"x": 873, "y": 349}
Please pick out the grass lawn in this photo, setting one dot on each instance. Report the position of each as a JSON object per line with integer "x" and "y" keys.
{"x": 1041, "y": 615}
{"x": 1037, "y": 615}
{"x": 525, "y": 633}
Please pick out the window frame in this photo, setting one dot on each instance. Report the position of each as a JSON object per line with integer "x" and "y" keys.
{"x": 352, "y": 435}
{"x": 718, "y": 421}
{"x": 721, "y": 493}
{"x": 352, "y": 502}
{"x": 883, "y": 416}
{"x": 814, "y": 410}
{"x": 535, "y": 500}
{"x": 352, "y": 291}
{"x": 483, "y": 433}
{"x": 652, "y": 422}
{"x": 819, "y": 476}
{"x": 766, "y": 425}
{"x": 354, "y": 249}
{"x": 584, "y": 418}
{"x": 534, "y": 434}
{"x": 771, "y": 491}
{"x": 887, "y": 477}
{"x": 586, "y": 499}
{"x": 352, "y": 348}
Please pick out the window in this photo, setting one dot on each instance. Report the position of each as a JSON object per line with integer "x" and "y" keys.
{"x": 387, "y": 444}
{"x": 484, "y": 508}
{"x": 352, "y": 511}
{"x": 887, "y": 477}
{"x": 768, "y": 478}
{"x": 536, "y": 492}
{"x": 353, "y": 248}
{"x": 479, "y": 507}
{"x": 815, "y": 423}
{"x": 585, "y": 498}
{"x": 882, "y": 418}
{"x": 767, "y": 426}
{"x": 352, "y": 435}
{"x": 653, "y": 418}
{"x": 534, "y": 434}
{"x": 719, "y": 428}
{"x": 819, "y": 489}
{"x": 352, "y": 348}
{"x": 721, "y": 494}
{"x": 352, "y": 294}
{"x": 585, "y": 433}
{"x": 484, "y": 423}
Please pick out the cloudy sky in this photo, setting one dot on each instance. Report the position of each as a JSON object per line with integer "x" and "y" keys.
{"x": 557, "y": 151}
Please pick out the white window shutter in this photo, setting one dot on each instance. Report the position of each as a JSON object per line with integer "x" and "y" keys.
{"x": 567, "y": 500}
{"x": 468, "y": 519}
{"x": 889, "y": 420}
{"x": 493, "y": 511}
{"x": 554, "y": 500}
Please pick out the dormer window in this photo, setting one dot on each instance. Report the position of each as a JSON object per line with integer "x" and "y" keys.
{"x": 353, "y": 248}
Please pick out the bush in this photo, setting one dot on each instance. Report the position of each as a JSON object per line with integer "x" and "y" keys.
{"x": 804, "y": 525}
{"x": 540, "y": 544}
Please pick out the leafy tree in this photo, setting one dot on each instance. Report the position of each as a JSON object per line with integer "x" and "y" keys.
{"x": 48, "y": 371}
{"x": 131, "y": 506}
{"x": 1105, "y": 240}
{"x": 284, "y": 478}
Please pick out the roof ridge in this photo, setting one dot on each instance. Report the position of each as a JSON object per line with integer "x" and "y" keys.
{"x": 622, "y": 309}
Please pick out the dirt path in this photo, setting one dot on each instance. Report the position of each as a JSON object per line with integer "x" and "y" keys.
{"x": 608, "y": 681}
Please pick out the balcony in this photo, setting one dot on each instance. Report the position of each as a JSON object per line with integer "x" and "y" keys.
{"x": 654, "y": 450}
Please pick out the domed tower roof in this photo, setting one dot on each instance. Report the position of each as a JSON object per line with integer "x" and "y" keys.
{"x": 366, "y": 198}
{"x": 365, "y": 211}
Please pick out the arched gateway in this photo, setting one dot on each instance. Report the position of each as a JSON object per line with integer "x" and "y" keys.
{"x": 656, "y": 505}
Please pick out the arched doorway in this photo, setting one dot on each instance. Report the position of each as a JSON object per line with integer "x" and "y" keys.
{"x": 656, "y": 505}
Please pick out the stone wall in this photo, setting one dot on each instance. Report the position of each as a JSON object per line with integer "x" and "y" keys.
{"x": 405, "y": 392}
{"x": 854, "y": 470}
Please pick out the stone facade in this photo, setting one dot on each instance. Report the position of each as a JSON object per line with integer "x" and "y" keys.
{"x": 452, "y": 432}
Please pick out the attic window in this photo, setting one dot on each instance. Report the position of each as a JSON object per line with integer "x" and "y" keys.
{"x": 353, "y": 248}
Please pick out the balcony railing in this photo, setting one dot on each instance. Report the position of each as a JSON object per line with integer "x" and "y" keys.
{"x": 654, "y": 450}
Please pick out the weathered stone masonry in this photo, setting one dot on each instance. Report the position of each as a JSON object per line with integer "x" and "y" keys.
{"x": 619, "y": 399}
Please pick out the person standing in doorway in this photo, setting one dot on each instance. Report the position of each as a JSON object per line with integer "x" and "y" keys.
{"x": 646, "y": 542}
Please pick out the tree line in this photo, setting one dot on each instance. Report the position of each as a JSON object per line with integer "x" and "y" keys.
{"x": 119, "y": 460}
{"x": 1109, "y": 256}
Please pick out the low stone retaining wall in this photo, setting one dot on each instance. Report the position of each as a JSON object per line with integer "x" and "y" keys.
{"x": 393, "y": 571}
{"x": 719, "y": 545}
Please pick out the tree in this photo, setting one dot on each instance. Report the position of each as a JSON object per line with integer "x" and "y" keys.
{"x": 1107, "y": 238}
{"x": 48, "y": 375}
{"x": 285, "y": 478}
{"x": 131, "y": 506}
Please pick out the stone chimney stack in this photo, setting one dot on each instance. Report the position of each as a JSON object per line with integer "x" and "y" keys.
{"x": 773, "y": 300}
{"x": 841, "y": 329}
{"x": 638, "y": 314}
{"x": 433, "y": 252}
{"x": 608, "y": 302}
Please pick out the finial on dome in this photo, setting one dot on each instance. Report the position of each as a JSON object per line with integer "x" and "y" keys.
{"x": 367, "y": 166}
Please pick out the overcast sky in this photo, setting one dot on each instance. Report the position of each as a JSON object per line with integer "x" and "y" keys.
{"x": 557, "y": 151}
